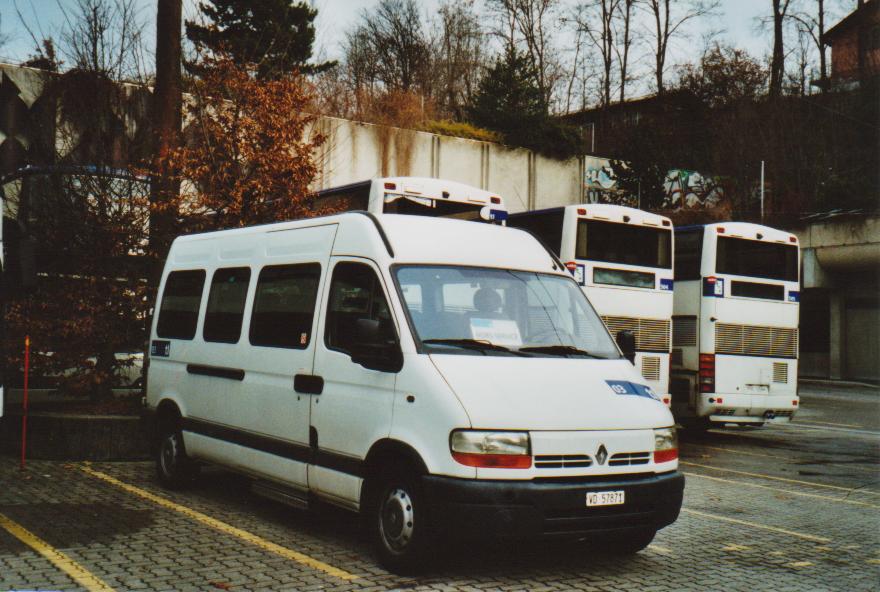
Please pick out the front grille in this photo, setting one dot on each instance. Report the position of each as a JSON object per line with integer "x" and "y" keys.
{"x": 629, "y": 458}
{"x": 651, "y": 367}
{"x": 780, "y": 372}
{"x": 562, "y": 461}
{"x": 754, "y": 340}
{"x": 651, "y": 334}
{"x": 684, "y": 331}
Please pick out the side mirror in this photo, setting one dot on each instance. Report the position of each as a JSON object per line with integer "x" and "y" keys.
{"x": 377, "y": 348}
{"x": 27, "y": 262}
{"x": 626, "y": 341}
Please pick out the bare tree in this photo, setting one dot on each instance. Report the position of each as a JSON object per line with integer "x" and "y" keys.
{"x": 812, "y": 24}
{"x": 596, "y": 19}
{"x": 529, "y": 24}
{"x": 670, "y": 20}
{"x": 460, "y": 55}
{"x": 624, "y": 20}
{"x": 777, "y": 61}
{"x": 104, "y": 36}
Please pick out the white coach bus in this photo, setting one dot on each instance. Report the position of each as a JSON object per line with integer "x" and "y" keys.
{"x": 419, "y": 196}
{"x": 735, "y": 324}
{"x": 622, "y": 259}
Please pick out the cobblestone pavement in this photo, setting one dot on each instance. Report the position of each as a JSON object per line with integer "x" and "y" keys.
{"x": 780, "y": 508}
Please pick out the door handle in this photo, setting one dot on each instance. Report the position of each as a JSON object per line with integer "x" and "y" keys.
{"x": 308, "y": 384}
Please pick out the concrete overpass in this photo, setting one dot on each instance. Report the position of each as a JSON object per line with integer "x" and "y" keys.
{"x": 840, "y": 302}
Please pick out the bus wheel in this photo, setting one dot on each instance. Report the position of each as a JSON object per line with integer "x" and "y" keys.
{"x": 630, "y": 543}
{"x": 398, "y": 522}
{"x": 173, "y": 467}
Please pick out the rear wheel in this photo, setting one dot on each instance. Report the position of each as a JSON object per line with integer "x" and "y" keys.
{"x": 173, "y": 467}
{"x": 397, "y": 522}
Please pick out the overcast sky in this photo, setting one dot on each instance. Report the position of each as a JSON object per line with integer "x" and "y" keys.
{"x": 45, "y": 17}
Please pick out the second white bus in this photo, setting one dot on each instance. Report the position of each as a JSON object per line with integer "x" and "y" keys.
{"x": 419, "y": 196}
{"x": 735, "y": 327}
{"x": 622, "y": 259}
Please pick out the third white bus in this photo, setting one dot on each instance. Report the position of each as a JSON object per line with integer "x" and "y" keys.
{"x": 622, "y": 259}
{"x": 735, "y": 325}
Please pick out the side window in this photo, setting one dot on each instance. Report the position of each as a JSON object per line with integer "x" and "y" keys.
{"x": 225, "y": 312}
{"x": 284, "y": 306}
{"x": 355, "y": 293}
{"x": 179, "y": 313}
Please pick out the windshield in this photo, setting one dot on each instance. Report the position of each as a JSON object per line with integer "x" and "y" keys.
{"x": 501, "y": 312}
{"x": 627, "y": 244}
{"x": 746, "y": 257}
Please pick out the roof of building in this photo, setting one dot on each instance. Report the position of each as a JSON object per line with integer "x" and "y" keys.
{"x": 849, "y": 21}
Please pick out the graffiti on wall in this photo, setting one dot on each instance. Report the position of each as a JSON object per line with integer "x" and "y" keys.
{"x": 683, "y": 189}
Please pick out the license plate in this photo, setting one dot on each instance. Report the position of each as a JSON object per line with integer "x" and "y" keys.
{"x": 605, "y": 498}
{"x": 761, "y": 389}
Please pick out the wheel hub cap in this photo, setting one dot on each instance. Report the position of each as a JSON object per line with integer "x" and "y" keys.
{"x": 396, "y": 519}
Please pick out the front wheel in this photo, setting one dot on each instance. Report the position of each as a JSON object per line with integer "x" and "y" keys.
{"x": 398, "y": 523}
{"x": 173, "y": 467}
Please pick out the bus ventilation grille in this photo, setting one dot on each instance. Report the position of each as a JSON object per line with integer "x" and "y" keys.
{"x": 753, "y": 340}
{"x": 651, "y": 368}
{"x": 684, "y": 331}
{"x": 780, "y": 372}
{"x": 651, "y": 334}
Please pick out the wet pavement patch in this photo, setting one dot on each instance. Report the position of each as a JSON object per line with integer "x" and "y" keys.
{"x": 66, "y": 525}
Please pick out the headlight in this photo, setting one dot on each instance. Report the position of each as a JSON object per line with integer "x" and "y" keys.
{"x": 500, "y": 450}
{"x": 665, "y": 445}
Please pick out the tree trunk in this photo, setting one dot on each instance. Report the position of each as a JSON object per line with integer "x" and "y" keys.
{"x": 166, "y": 124}
{"x": 823, "y": 67}
{"x": 777, "y": 64}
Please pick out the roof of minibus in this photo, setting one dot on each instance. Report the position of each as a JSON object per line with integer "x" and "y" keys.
{"x": 416, "y": 239}
{"x": 435, "y": 188}
{"x": 744, "y": 230}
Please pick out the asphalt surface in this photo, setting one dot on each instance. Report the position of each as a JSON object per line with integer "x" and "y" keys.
{"x": 789, "y": 507}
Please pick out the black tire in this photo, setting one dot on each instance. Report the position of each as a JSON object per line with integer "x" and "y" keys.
{"x": 397, "y": 521}
{"x": 174, "y": 468}
{"x": 628, "y": 544}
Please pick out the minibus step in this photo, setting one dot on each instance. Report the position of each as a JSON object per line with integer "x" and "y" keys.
{"x": 279, "y": 493}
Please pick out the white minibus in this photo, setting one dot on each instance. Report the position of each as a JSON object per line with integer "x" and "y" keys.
{"x": 735, "y": 325}
{"x": 432, "y": 374}
{"x": 622, "y": 259}
{"x": 417, "y": 196}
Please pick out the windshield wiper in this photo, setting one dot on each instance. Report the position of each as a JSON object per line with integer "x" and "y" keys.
{"x": 474, "y": 344}
{"x": 560, "y": 350}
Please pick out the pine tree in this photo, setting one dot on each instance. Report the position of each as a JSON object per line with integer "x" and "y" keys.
{"x": 509, "y": 99}
{"x": 274, "y": 35}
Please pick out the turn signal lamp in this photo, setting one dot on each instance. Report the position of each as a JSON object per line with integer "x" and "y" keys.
{"x": 582, "y": 212}
{"x": 665, "y": 445}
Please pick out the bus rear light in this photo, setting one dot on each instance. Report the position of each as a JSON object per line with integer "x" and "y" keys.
{"x": 719, "y": 400}
{"x": 794, "y": 403}
{"x": 495, "y": 200}
{"x": 792, "y": 239}
{"x": 707, "y": 373}
{"x": 665, "y": 222}
{"x": 582, "y": 212}
{"x": 666, "y": 401}
{"x": 719, "y": 230}
{"x": 571, "y": 266}
{"x": 391, "y": 186}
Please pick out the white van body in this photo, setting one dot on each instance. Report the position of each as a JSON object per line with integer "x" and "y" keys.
{"x": 735, "y": 325}
{"x": 622, "y": 259}
{"x": 416, "y": 196}
{"x": 305, "y": 419}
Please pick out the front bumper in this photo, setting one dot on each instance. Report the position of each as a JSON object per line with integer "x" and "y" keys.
{"x": 476, "y": 508}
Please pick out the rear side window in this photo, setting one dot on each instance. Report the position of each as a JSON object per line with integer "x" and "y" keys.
{"x": 223, "y": 317}
{"x": 179, "y": 313}
{"x": 284, "y": 306}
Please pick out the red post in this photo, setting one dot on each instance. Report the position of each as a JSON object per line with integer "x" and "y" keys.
{"x": 27, "y": 363}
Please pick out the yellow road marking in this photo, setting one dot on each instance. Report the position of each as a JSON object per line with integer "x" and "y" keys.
{"x": 660, "y": 549}
{"x": 874, "y": 561}
{"x": 77, "y": 572}
{"x": 831, "y": 423}
{"x": 777, "y": 553}
{"x": 736, "y": 548}
{"x": 798, "y": 564}
{"x": 763, "y": 476}
{"x": 224, "y": 527}
{"x": 800, "y": 535}
{"x": 765, "y": 455}
{"x": 800, "y": 493}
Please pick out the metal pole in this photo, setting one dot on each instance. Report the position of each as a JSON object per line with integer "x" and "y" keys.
{"x": 24, "y": 414}
{"x": 762, "y": 192}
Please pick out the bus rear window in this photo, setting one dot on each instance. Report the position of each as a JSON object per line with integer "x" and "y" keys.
{"x": 627, "y": 244}
{"x": 752, "y": 258}
{"x": 434, "y": 208}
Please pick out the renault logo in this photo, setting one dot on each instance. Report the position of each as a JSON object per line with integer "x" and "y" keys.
{"x": 601, "y": 454}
